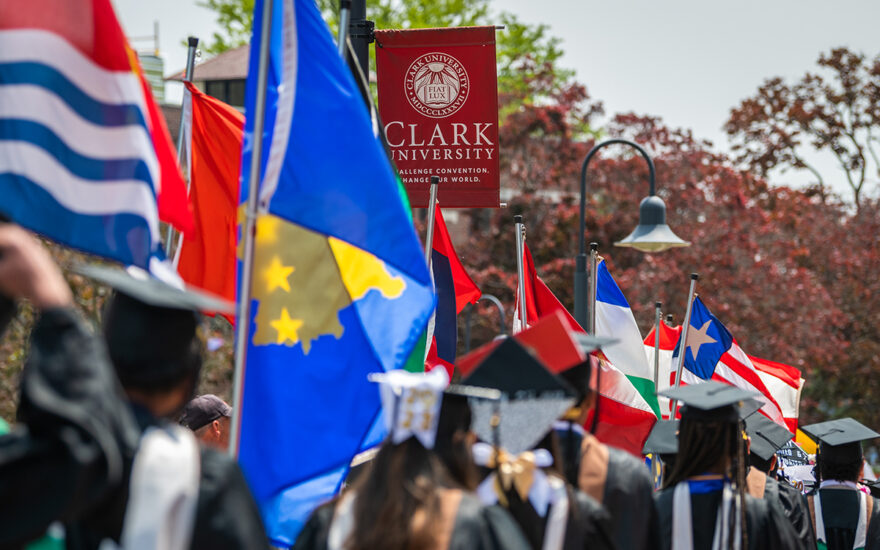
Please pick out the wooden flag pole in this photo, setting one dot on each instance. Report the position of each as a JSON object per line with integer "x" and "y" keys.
{"x": 684, "y": 334}
{"x": 243, "y": 314}
{"x": 520, "y": 229}
{"x": 192, "y": 44}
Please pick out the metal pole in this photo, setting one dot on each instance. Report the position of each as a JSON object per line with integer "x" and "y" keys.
{"x": 684, "y": 334}
{"x": 243, "y": 315}
{"x": 520, "y": 270}
{"x": 432, "y": 212}
{"x": 344, "y": 18}
{"x": 467, "y": 327}
{"x": 669, "y": 319}
{"x": 192, "y": 44}
{"x": 657, "y": 316}
{"x": 360, "y": 34}
{"x": 580, "y": 269}
{"x": 594, "y": 288}
{"x": 500, "y": 307}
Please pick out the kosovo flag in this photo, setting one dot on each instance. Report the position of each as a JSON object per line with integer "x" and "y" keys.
{"x": 340, "y": 285}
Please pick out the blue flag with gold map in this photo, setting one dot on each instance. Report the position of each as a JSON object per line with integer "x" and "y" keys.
{"x": 340, "y": 285}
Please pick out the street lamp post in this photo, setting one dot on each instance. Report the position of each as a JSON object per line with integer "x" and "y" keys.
{"x": 651, "y": 235}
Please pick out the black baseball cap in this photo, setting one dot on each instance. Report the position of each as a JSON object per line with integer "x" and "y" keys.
{"x": 203, "y": 410}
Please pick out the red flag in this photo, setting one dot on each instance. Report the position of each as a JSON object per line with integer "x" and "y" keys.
{"x": 784, "y": 383}
{"x": 455, "y": 289}
{"x": 625, "y": 419}
{"x": 208, "y": 255}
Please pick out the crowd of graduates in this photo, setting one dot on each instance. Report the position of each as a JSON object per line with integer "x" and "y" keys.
{"x": 108, "y": 448}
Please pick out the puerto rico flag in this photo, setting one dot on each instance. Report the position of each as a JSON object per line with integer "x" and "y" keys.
{"x": 713, "y": 354}
{"x": 85, "y": 158}
{"x": 455, "y": 289}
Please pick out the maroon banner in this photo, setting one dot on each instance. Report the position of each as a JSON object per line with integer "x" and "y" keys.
{"x": 438, "y": 99}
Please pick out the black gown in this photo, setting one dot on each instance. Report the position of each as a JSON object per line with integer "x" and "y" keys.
{"x": 628, "y": 493}
{"x": 794, "y": 506}
{"x": 840, "y": 510}
{"x": 588, "y": 525}
{"x": 69, "y": 458}
{"x": 767, "y": 528}
{"x": 476, "y": 527}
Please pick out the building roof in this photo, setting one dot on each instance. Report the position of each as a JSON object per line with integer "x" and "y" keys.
{"x": 229, "y": 65}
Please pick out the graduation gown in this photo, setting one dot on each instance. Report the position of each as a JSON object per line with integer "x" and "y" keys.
{"x": 588, "y": 525}
{"x": 793, "y": 505}
{"x": 618, "y": 481}
{"x": 69, "y": 459}
{"x": 475, "y": 527}
{"x": 766, "y": 526}
{"x": 840, "y": 510}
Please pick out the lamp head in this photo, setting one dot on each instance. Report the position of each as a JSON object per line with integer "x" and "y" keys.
{"x": 652, "y": 234}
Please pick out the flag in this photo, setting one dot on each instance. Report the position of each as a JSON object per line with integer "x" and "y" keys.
{"x": 614, "y": 319}
{"x": 540, "y": 300}
{"x": 625, "y": 417}
{"x": 785, "y": 384}
{"x": 206, "y": 257}
{"x": 455, "y": 289}
{"x": 713, "y": 354}
{"x": 340, "y": 284}
{"x": 85, "y": 158}
{"x": 666, "y": 375}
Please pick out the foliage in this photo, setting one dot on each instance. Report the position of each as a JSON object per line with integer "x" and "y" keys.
{"x": 836, "y": 110}
{"x": 236, "y": 18}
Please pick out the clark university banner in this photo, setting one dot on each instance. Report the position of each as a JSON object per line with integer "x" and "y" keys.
{"x": 438, "y": 99}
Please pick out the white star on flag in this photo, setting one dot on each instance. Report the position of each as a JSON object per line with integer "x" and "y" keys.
{"x": 696, "y": 338}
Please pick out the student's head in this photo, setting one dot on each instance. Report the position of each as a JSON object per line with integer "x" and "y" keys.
{"x": 841, "y": 462}
{"x": 707, "y": 443}
{"x": 761, "y": 464}
{"x": 155, "y": 352}
{"x": 455, "y": 440}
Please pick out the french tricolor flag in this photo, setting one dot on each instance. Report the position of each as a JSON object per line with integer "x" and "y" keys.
{"x": 455, "y": 289}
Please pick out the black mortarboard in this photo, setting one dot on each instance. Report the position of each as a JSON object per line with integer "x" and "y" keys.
{"x": 840, "y": 440}
{"x": 532, "y": 397}
{"x": 711, "y": 401}
{"x": 766, "y": 436}
{"x": 663, "y": 439}
{"x": 150, "y": 327}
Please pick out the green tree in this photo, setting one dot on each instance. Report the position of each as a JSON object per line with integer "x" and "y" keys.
{"x": 524, "y": 50}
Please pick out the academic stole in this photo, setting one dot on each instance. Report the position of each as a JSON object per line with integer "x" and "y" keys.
{"x": 861, "y": 529}
{"x": 682, "y": 528}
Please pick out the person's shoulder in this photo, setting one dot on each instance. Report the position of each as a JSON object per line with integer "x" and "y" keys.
{"x": 587, "y": 505}
{"x": 629, "y": 468}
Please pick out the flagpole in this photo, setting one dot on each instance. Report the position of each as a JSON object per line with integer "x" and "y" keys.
{"x": 432, "y": 212}
{"x": 594, "y": 288}
{"x": 344, "y": 19}
{"x": 684, "y": 334}
{"x": 243, "y": 315}
{"x": 192, "y": 44}
{"x": 519, "y": 227}
{"x": 657, "y": 315}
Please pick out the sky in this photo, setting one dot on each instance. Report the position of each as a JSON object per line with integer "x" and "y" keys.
{"x": 687, "y": 61}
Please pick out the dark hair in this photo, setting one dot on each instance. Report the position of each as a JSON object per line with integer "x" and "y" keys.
{"x": 843, "y": 471}
{"x": 452, "y": 446}
{"x": 702, "y": 446}
{"x": 761, "y": 464}
{"x": 404, "y": 479}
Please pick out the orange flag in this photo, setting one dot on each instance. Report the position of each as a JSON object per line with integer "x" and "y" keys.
{"x": 207, "y": 256}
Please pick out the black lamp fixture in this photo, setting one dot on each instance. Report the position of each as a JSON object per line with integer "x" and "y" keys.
{"x": 651, "y": 235}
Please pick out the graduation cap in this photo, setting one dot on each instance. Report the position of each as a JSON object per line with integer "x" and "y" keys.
{"x": 150, "y": 326}
{"x": 713, "y": 401}
{"x": 766, "y": 436}
{"x": 840, "y": 440}
{"x": 532, "y": 398}
{"x": 663, "y": 439}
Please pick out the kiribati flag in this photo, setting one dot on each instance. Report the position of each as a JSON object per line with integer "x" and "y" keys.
{"x": 455, "y": 289}
{"x": 85, "y": 158}
{"x": 340, "y": 283}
